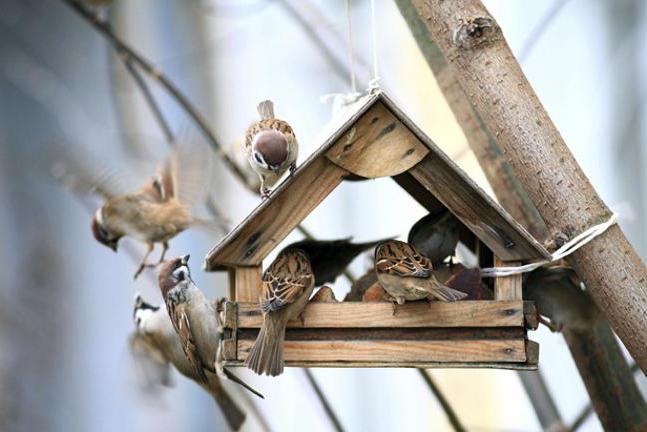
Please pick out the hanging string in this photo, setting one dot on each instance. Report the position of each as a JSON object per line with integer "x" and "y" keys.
{"x": 351, "y": 55}
{"x": 374, "y": 84}
{"x": 564, "y": 251}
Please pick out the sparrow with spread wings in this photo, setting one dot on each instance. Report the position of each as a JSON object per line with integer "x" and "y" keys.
{"x": 287, "y": 285}
{"x": 159, "y": 210}
{"x": 407, "y": 275}
{"x": 271, "y": 147}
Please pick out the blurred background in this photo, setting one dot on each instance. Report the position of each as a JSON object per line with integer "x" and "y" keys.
{"x": 66, "y": 301}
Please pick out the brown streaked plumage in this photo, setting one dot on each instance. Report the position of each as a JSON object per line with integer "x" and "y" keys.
{"x": 407, "y": 275}
{"x": 287, "y": 286}
{"x": 271, "y": 147}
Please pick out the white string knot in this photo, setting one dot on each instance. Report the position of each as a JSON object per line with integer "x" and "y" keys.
{"x": 564, "y": 251}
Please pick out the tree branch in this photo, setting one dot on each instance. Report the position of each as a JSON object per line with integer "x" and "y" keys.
{"x": 323, "y": 400}
{"x": 442, "y": 400}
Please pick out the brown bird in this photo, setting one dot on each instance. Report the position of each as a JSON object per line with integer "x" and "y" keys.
{"x": 287, "y": 285}
{"x": 194, "y": 319}
{"x": 271, "y": 147}
{"x": 435, "y": 235}
{"x": 407, "y": 275}
{"x": 558, "y": 295}
{"x": 160, "y": 209}
{"x": 329, "y": 258}
{"x": 360, "y": 286}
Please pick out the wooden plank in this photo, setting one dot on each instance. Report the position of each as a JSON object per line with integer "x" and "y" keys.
{"x": 248, "y": 283}
{"x": 377, "y": 145}
{"x": 231, "y": 288}
{"x": 419, "y": 365}
{"x": 508, "y": 287}
{"x": 410, "y": 314}
{"x": 507, "y": 239}
{"x": 277, "y": 216}
{"x": 397, "y": 352}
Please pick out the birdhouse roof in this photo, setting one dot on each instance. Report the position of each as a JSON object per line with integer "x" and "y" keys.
{"x": 374, "y": 138}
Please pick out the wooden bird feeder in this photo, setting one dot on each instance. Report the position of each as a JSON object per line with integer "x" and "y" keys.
{"x": 378, "y": 140}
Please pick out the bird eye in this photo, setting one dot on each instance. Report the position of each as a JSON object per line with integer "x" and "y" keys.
{"x": 258, "y": 158}
{"x": 179, "y": 274}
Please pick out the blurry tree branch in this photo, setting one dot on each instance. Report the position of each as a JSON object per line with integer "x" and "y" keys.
{"x": 442, "y": 400}
{"x": 330, "y": 412}
{"x": 507, "y": 187}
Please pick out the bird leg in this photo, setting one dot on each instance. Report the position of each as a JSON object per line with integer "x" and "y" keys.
{"x": 293, "y": 168}
{"x": 265, "y": 192}
{"x": 164, "y": 249}
{"x": 555, "y": 328}
{"x": 143, "y": 264}
{"x": 394, "y": 304}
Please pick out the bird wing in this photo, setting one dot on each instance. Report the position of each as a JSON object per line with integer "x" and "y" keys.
{"x": 401, "y": 259}
{"x": 153, "y": 369}
{"x": 179, "y": 318}
{"x": 285, "y": 280}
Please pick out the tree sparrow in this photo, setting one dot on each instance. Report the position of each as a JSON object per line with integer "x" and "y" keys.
{"x": 287, "y": 285}
{"x": 159, "y": 210}
{"x": 155, "y": 344}
{"x": 435, "y": 235}
{"x": 329, "y": 258}
{"x": 406, "y": 274}
{"x": 271, "y": 147}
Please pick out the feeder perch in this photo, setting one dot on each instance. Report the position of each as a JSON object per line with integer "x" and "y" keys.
{"x": 376, "y": 139}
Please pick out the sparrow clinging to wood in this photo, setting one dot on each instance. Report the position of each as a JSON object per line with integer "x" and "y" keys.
{"x": 287, "y": 285}
{"x": 406, "y": 274}
{"x": 435, "y": 235}
{"x": 271, "y": 147}
{"x": 329, "y": 258}
{"x": 194, "y": 319}
{"x": 160, "y": 209}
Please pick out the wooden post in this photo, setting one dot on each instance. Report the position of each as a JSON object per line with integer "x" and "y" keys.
{"x": 483, "y": 64}
{"x": 507, "y": 287}
{"x": 246, "y": 285}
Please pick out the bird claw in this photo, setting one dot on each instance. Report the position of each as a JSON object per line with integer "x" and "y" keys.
{"x": 141, "y": 268}
{"x": 293, "y": 168}
{"x": 265, "y": 193}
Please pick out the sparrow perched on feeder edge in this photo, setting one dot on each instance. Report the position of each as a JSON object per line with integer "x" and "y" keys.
{"x": 558, "y": 295}
{"x": 407, "y": 275}
{"x": 329, "y": 258}
{"x": 271, "y": 147}
{"x": 435, "y": 235}
{"x": 155, "y": 344}
{"x": 287, "y": 285}
{"x": 160, "y": 209}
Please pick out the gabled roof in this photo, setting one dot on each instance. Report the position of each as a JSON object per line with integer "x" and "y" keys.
{"x": 375, "y": 139}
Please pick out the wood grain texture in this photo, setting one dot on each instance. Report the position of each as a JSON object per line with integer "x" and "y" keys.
{"x": 508, "y": 287}
{"x": 526, "y": 366}
{"x": 410, "y": 314}
{"x": 504, "y": 236}
{"x": 276, "y": 217}
{"x": 399, "y": 351}
{"x": 248, "y": 282}
{"x": 377, "y": 145}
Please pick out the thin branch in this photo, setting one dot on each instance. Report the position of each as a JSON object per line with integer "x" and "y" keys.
{"x": 444, "y": 403}
{"x": 324, "y": 402}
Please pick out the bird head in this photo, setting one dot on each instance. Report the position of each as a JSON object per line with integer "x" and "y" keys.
{"x": 270, "y": 149}
{"x": 102, "y": 234}
{"x": 173, "y": 272}
{"x": 142, "y": 310}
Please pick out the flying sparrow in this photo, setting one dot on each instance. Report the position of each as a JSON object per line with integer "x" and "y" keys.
{"x": 194, "y": 319}
{"x": 558, "y": 295}
{"x": 287, "y": 285}
{"x": 155, "y": 344}
{"x": 435, "y": 235}
{"x": 159, "y": 210}
{"x": 271, "y": 147}
{"x": 406, "y": 274}
{"x": 329, "y": 258}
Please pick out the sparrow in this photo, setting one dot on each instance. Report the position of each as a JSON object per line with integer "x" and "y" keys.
{"x": 406, "y": 274}
{"x": 193, "y": 317}
{"x": 558, "y": 295}
{"x": 375, "y": 293}
{"x": 287, "y": 285}
{"x": 159, "y": 210}
{"x": 329, "y": 258}
{"x": 468, "y": 280}
{"x": 325, "y": 294}
{"x": 238, "y": 154}
{"x": 361, "y": 285}
{"x": 435, "y": 235}
{"x": 271, "y": 147}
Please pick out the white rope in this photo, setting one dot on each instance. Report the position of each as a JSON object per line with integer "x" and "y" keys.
{"x": 568, "y": 248}
{"x": 374, "y": 83}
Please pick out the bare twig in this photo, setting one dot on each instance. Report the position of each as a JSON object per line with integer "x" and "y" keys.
{"x": 324, "y": 402}
{"x": 442, "y": 400}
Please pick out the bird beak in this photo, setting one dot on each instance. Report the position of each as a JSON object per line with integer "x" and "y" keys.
{"x": 276, "y": 169}
{"x": 185, "y": 259}
{"x": 113, "y": 246}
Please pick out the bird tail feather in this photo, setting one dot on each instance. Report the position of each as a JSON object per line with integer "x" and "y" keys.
{"x": 266, "y": 357}
{"x": 266, "y": 110}
{"x": 447, "y": 294}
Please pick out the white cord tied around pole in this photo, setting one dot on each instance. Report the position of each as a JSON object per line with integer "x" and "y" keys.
{"x": 564, "y": 251}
